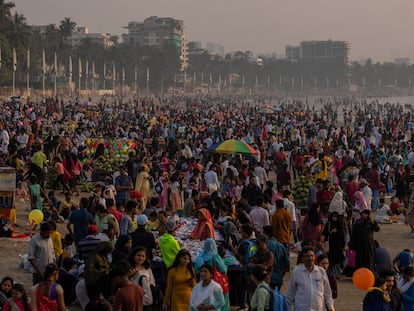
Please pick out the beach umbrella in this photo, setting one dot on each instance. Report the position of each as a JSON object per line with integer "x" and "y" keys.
{"x": 233, "y": 146}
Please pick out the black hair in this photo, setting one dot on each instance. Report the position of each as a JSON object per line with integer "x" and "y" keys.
{"x": 261, "y": 238}
{"x": 45, "y": 226}
{"x": 5, "y": 279}
{"x": 259, "y": 273}
{"x": 379, "y": 281}
{"x": 247, "y": 228}
{"x": 68, "y": 263}
{"x": 320, "y": 258}
{"x": 280, "y": 204}
{"x": 25, "y": 300}
{"x": 131, "y": 257}
{"x": 130, "y": 205}
{"x": 208, "y": 267}
{"x": 269, "y": 231}
{"x": 50, "y": 270}
{"x": 181, "y": 254}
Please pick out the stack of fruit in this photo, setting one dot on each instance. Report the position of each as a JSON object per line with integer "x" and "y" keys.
{"x": 301, "y": 190}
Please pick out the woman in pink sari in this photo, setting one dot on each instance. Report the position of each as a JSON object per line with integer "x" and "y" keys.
{"x": 204, "y": 228}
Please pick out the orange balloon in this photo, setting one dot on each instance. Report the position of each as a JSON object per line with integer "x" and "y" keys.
{"x": 363, "y": 278}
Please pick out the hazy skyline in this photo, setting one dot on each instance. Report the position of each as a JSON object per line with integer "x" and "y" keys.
{"x": 374, "y": 28}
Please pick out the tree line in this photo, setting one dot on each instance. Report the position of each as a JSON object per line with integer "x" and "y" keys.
{"x": 135, "y": 64}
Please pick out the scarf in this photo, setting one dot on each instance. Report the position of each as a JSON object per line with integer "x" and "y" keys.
{"x": 404, "y": 286}
{"x": 198, "y": 230}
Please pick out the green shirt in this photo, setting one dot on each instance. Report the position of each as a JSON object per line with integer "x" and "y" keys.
{"x": 39, "y": 158}
{"x": 169, "y": 249}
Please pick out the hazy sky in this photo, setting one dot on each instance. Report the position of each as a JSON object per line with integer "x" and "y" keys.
{"x": 381, "y": 29}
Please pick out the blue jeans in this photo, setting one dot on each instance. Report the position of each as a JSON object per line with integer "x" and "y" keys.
{"x": 374, "y": 202}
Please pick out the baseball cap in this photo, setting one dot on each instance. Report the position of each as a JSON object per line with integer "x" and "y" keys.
{"x": 142, "y": 220}
{"x": 93, "y": 229}
{"x": 170, "y": 225}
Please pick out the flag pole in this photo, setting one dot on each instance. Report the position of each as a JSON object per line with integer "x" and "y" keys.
{"x": 28, "y": 73}
{"x": 55, "y": 76}
{"x": 43, "y": 72}
{"x": 14, "y": 69}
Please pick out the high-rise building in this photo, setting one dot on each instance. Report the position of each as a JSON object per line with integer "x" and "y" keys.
{"x": 158, "y": 31}
{"x": 334, "y": 51}
{"x": 82, "y": 33}
{"x": 292, "y": 53}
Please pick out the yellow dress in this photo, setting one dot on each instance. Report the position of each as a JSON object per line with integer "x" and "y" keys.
{"x": 179, "y": 286}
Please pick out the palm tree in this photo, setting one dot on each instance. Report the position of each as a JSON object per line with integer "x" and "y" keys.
{"x": 5, "y": 13}
{"x": 18, "y": 32}
{"x": 67, "y": 26}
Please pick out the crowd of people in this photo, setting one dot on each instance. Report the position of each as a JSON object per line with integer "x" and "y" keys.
{"x": 355, "y": 153}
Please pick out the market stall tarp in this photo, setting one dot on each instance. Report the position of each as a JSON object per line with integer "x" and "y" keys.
{"x": 233, "y": 146}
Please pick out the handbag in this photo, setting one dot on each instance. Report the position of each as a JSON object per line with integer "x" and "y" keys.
{"x": 221, "y": 278}
{"x": 351, "y": 258}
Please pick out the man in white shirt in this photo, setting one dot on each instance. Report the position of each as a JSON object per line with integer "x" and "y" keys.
{"x": 259, "y": 216}
{"x": 260, "y": 172}
{"x": 211, "y": 180}
{"x": 5, "y": 139}
{"x": 308, "y": 287}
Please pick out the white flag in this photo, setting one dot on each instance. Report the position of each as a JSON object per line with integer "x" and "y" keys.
{"x": 43, "y": 63}
{"x": 28, "y": 60}
{"x": 56, "y": 65}
{"x": 86, "y": 68}
{"x": 70, "y": 68}
{"x": 14, "y": 60}
{"x": 147, "y": 74}
{"x": 93, "y": 69}
{"x": 80, "y": 68}
{"x": 104, "y": 71}
{"x": 123, "y": 73}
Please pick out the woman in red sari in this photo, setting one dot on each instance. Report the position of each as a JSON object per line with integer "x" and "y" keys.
{"x": 204, "y": 228}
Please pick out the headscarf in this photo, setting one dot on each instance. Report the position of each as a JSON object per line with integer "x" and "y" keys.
{"x": 122, "y": 240}
{"x": 208, "y": 221}
{"x": 314, "y": 216}
{"x": 361, "y": 202}
{"x": 230, "y": 232}
{"x": 208, "y": 253}
{"x": 337, "y": 204}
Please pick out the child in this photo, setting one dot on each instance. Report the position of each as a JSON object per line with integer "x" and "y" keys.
{"x": 67, "y": 243}
{"x": 395, "y": 206}
{"x": 21, "y": 192}
{"x": 60, "y": 172}
{"x": 19, "y": 300}
{"x": 153, "y": 222}
{"x": 383, "y": 212}
{"x": 377, "y": 298}
{"x": 57, "y": 242}
{"x": 323, "y": 262}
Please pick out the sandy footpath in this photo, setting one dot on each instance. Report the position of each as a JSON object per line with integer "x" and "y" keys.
{"x": 391, "y": 236}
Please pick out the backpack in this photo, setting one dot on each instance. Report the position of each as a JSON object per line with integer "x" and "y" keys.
{"x": 280, "y": 301}
{"x": 272, "y": 299}
{"x": 157, "y": 295}
{"x": 250, "y": 251}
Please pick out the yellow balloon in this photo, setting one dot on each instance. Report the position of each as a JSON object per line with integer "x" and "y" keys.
{"x": 36, "y": 216}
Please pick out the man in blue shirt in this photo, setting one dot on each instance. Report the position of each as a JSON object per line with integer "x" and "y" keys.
{"x": 123, "y": 184}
